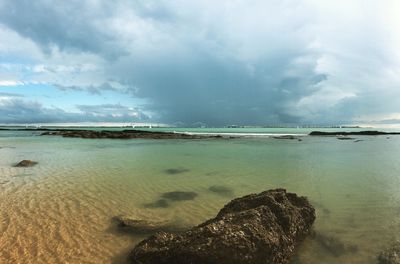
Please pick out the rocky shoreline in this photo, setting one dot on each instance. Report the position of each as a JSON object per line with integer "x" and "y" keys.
{"x": 134, "y": 134}
{"x": 124, "y": 134}
{"x": 26, "y": 163}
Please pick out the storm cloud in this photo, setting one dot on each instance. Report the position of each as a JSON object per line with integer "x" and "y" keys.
{"x": 215, "y": 62}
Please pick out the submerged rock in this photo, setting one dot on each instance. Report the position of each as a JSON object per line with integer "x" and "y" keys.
{"x": 26, "y": 163}
{"x": 221, "y": 190}
{"x": 179, "y": 196}
{"x": 176, "y": 170}
{"x": 135, "y": 225}
{"x": 391, "y": 255}
{"x": 257, "y": 228}
{"x": 285, "y": 137}
{"x": 169, "y": 197}
{"x": 334, "y": 245}
{"x": 326, "y": 211}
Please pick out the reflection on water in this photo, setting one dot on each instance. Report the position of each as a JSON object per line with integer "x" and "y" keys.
{"x": 61, "y": 210}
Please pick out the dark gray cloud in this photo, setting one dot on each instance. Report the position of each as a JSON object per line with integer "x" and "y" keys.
{"x": 222, "y": 91}
{"x": 222, "y": 62}
{"x": 60, "y": 24}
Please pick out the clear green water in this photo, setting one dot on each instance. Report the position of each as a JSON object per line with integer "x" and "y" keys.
{"x": 60, "y": 211}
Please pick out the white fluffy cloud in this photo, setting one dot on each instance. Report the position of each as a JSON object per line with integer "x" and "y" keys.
{"x": 16, "y": 109}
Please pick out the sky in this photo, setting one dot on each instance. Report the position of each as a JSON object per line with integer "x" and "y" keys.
{"x": 184, "y": 62}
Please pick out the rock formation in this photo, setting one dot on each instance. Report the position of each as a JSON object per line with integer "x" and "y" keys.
{"x": 26, "y": 163}
{"x": 140, "y": 226}
{"x": 124, "y": 134}
{"x": 257, "y": 228}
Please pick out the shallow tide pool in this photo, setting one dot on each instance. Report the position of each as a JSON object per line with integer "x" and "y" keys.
{"x": 61, "y": 210}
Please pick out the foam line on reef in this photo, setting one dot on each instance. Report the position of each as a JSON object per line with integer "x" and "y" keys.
{"x": 241, "y": 134}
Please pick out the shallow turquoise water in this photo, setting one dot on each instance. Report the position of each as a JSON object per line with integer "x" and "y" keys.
{"x": 61, "y": 210}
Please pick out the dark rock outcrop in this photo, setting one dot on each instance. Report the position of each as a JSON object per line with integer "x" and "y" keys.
{"x": 124, "y": 134}
{"x": 354, "y": 133}
{"x": 257, "y": 228}
{"x": 26, "y": 163}
{"x": 391, "y": 255}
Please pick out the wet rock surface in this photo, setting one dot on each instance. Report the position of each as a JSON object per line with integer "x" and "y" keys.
{"x": 26, "y": 163}
{"x": 142, "y": 226}
{"x": 257, "y": 228}
{"x": 139, "y": 225}
{"x": 391, "y": 255}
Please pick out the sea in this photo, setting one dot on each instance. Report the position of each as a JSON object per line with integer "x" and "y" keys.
{"x": 63, "y": 209}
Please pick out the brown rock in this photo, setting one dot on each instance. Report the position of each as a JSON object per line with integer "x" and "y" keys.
{"x": 26, "y": 163}
{"x": 140, "y": 225}
{"x": 257, "y": 228}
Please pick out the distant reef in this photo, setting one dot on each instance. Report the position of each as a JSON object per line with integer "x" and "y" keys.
{"x": 353, "y": 133}
{"x": 124, "y": 134}
{"x": 257, "y": 228}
